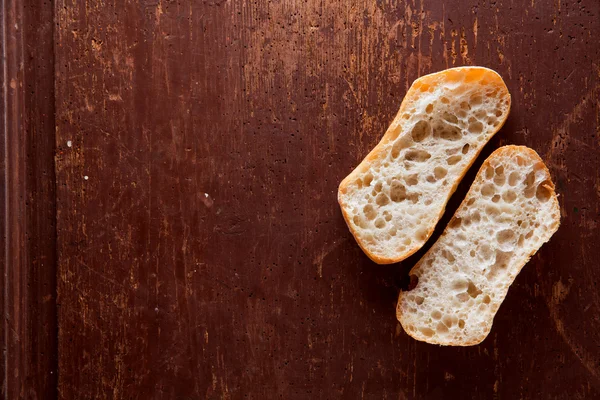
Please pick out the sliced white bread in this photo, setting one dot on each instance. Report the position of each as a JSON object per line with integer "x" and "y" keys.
{"x": 509, "y": 212}
{"x": 395, "y": 197}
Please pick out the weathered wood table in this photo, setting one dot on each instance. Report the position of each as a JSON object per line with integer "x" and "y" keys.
{"x": 170, "y": 217}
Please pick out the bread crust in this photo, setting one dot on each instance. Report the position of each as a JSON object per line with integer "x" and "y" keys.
{"x": 554, "y": 198}
{"x": 379, "y": 151}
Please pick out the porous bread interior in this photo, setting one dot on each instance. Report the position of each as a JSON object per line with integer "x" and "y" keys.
{"x": 509, "y": 212}
{"x": 394, "y": 199}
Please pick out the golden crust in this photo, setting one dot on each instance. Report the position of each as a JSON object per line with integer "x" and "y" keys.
{"x": 473, "y": 73}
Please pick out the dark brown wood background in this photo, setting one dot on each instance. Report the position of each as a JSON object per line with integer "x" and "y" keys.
{"x": 190, "y": 152}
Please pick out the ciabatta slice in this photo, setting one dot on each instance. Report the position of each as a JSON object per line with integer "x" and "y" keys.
{"x": 395, "y": 197}
{"x": 509, "y": 212}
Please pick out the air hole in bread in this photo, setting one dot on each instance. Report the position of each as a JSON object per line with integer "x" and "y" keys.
{"x": 379, "y": 223}
{"x": 439, "y": 172}
{"x": 421, "y": 131}
{"x": 419, "y": 300}
{"x": 421, "y": 234}
{"x": 448, "y": 255}
{"x": 449, "y": 320}
{"x": 435, "y": 314}
{"x": 480, "y": 114}
{"x": 455, "y": 222}
{"x": 514, "y": 178}
{"x": 367, "y": 179}
{"x": 500, "y": 264}
{"x": 475, "y": 127}
{"x": 486, "y": 252}
{"x": 407, "y": 241}
{"x": 370, "y": 212}
{"x": 412, "y": 180}
{"x": 441, "y": 328}
{"x": 543, "y": 191}
{"x": 488, "y": 190}
{"x": 496, "y": 198}
{"x": 452, "y": 150}
{"x": 461, "y": 323}
{"x": 471, "y": 201}
{"x": 489, "y": 172}
{"x": 417, "y": 155}
{"x": 378, "y": 187}
{"x": 473, "y": 291}
{"x": 509, "y": 196}
{"x": 498, "y": 112}
{"x": 492, "y": 211}
{"x": 450, "y": 117}
{"x": 359, "y": 221}
{"x": 499, "y": 177}
{"x": 445, "y": 100}
{"x": 382, "y": 199}
{"x": 393, "y": 231}
{"x": 460, "y": 285}
{"x": 453, "y": 160}
{"x": 475, "y": 100}
{"x": 465, "y": 106}
{"x": 472, "y": 253}
{"x": 486, "y": 299}
{"x": 427, "y": 331}
{"x": 505, "y": 236}
{"x": 447, "y": 132}
{"x": 429, "y": 109}
{"x": 397, "y": 191}
{"x": 400, "y": 144}
{"x": 465, "y": 148}
{"x": 529, "y": 185}
{"x": 529, "y": 179}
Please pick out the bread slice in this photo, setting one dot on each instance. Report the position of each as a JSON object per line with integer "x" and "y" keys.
{"x": 510, "y": 211}
{"x": 395, "y": 197}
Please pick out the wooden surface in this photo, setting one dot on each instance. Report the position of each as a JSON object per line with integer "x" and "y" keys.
{"x": 28, "y": 326}
{"x": 200, "y": 249}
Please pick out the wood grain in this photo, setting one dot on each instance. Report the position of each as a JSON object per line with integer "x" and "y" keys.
{"x": 28, "y": 219}
{"x": 201, "y": 250}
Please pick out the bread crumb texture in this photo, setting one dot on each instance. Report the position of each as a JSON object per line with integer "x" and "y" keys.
{"x": 509, "y": 212}
{"x": 395, "y": 197}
